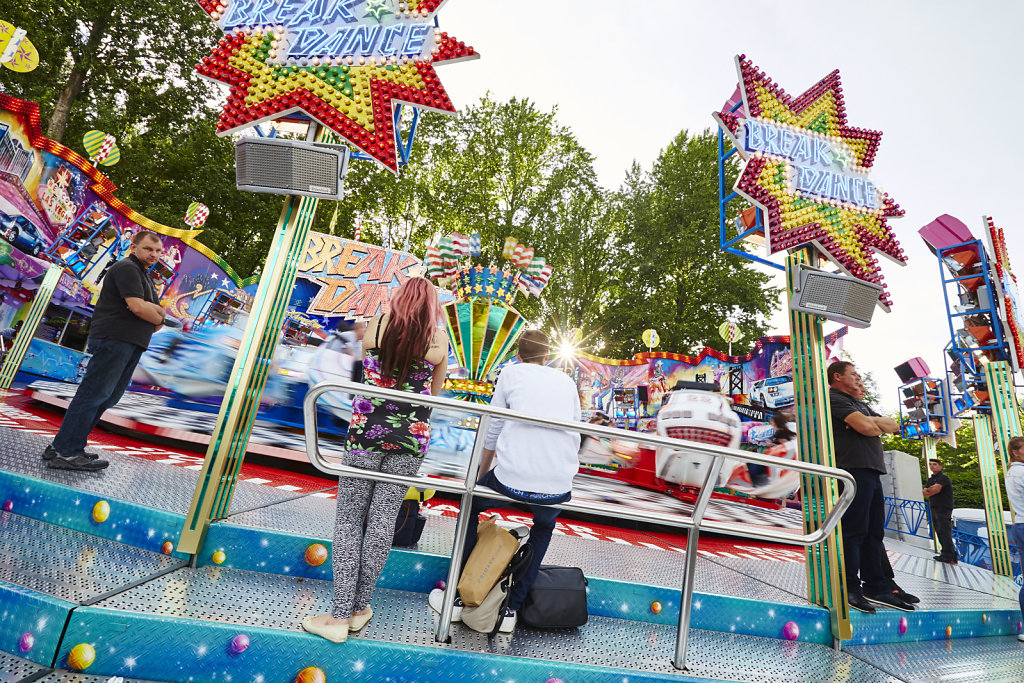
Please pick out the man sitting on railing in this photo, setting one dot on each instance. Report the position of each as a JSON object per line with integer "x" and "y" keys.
{"x": 1015, "y": 493}
{"x": 535, "y": 465}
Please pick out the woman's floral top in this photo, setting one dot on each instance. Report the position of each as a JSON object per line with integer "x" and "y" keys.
{"x": 385, "y": 427}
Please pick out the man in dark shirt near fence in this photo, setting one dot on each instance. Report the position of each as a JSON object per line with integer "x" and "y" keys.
{"x": 126, "y": 315}
{"x": 855, "y": 432}
{"x": 939, "y": 491}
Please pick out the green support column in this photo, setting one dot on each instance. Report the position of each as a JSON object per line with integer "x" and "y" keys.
{"x": 826, "y": 580}
{"x": 212, "y": 497}
{"x": 19, "y": 348}
{"x": 992, "y": 488}
{"x": 1005, "y": 412}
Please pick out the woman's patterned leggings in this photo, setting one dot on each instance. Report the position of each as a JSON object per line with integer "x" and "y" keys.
{"x": 359, "y": 556}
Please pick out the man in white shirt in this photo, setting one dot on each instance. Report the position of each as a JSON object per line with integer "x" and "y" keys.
{"x": 535, "y": 465}
{"x": 1015, "y": 492}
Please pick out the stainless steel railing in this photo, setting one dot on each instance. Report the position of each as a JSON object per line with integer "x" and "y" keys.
{"x": 467, "y": 489}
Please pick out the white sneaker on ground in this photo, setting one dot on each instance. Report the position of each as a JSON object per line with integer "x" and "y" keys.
{"x": 436, "y": 600}
{"x": 508, "y": 621}
{"x": 1020, "y": 637}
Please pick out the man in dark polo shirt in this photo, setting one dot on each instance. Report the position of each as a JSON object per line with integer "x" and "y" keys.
{"x": 855, "y": 432}
{"x": 126, "y": 315}
{"x": 939, "y": 491}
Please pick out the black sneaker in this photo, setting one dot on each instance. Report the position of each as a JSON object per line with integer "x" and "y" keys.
{"x": 49, "y": 453}
{"x": 890, "y": 600}
{"x": 858, "y": 602}
{"x": 80, "y": 463}
{"x": 947, "y": 560}
{"x": 905, "y": 596}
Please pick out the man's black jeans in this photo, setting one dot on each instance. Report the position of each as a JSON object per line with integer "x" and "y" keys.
{"x": 863, "y": 531}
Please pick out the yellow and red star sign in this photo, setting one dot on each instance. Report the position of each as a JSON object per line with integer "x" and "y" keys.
{"x": 808, "y": 170}
{"x": 342, "y": 62}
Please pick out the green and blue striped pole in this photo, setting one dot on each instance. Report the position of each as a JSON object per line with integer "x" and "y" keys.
{"x": 826, "y": 579}
{"x": 224, "y": 457}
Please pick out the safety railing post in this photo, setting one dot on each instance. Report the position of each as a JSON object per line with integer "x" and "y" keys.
{"x": 690, "y": 561}
{"x": 444, "y": 623}
{"x": 693, "y": 523}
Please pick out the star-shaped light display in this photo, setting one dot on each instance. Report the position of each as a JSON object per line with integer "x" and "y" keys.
{"x": 807, "y": 169}
{"x": 377, "y": 9}
{"x": 342, "y": 62}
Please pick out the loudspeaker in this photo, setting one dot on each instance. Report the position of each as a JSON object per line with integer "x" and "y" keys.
{"x": 641, "y": 392}
{"x": 836, "y": 297}
{"x": 912, "y": 369}
{"x": 290, "y": 167}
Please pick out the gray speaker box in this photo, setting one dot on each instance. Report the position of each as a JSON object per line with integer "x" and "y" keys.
{"x": 290, "y": 167}
{"x": 836, "y": 297}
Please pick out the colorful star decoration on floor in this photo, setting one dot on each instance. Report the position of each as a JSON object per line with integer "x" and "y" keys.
{"x": 344, "y": 88}
{"x": 845, "y": 230}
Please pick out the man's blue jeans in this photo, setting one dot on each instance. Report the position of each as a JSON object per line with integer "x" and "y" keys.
{"x": 1018, "y": 540}
{"x": 107, "y": 376}
{"x": 544, "y": 518}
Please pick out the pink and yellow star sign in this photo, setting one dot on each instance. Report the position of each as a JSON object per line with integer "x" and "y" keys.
{"x": 807, "y": 169}
{"x": 342, "y": 62}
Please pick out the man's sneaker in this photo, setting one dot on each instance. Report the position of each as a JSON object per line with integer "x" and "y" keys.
{"x": 508, "y": 621}
{"x": 858, "y": 602}
{"x": 905, "y": 596}
{"x": 49, "y": 453}
{"x": 436, "y": 600}
{"x": 947, "y": 560}
{"x": 80, "y": 463}
{"x": 890, "y": 600}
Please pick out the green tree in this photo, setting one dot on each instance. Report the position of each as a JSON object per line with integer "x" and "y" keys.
{"x": 670, "y": 274}
{"x": 123, "y": 65}
{"x": 501, "y": 169}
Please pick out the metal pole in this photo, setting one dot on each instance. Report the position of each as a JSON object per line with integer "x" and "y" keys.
{"x": 826, "y": 578}
{"x": 690, "y": 562}
{"x": 444, "y": 623}
{"x": 230, "y": 435}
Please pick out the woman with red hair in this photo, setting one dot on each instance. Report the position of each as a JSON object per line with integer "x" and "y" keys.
{"x": 405, "y": 349}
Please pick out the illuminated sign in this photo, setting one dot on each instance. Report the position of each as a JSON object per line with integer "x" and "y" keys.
{"x": 1007, "y": 294}
{"x": 819, "y": 165}
{"x": 355, "y": 279}
{"x": 807, "y": 169}
{"x": 335, "y": 28}
{"x": 342, "y": 62}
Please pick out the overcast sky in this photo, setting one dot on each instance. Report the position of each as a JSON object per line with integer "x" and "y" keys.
{"x": 939, "y": 79}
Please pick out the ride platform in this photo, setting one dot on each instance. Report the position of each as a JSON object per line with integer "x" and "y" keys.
{"x": 91, "y": 587}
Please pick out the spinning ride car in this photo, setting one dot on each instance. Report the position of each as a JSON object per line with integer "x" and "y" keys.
{"x": 696, "y": 412}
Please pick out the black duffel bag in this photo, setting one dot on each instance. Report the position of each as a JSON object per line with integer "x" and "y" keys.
{"x": 557, "y": 599}
{"x": 409, "y": 524}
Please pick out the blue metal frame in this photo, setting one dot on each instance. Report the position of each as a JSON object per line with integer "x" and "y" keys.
{"x": 970, "y": 368}
{"x": 404, "y": 146}
{"x": 916, "y": 515}
{"x": 72, "y": 259}
{"x": 974, "y": 550}
{"x": 917, "y": 429}
{"x": 724, "y": 243}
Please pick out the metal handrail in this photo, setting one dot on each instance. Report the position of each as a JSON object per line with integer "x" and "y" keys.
{"x": 693, "y": 522}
